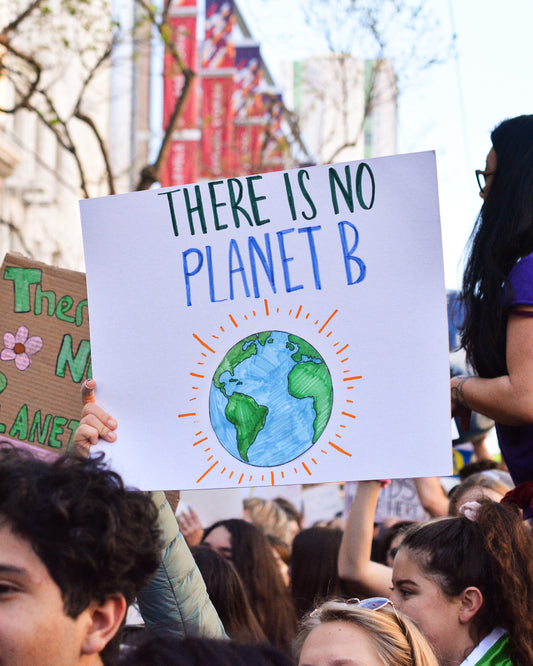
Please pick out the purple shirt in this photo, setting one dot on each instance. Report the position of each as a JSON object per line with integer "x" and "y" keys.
{"x": 516, "y": 442}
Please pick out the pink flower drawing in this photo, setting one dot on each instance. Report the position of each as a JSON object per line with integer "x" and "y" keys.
{"x": 19, "y": 347}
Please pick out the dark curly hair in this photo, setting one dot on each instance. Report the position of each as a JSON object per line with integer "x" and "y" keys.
{"x": 95, "y": 536}
{"x": 493, "y": 554}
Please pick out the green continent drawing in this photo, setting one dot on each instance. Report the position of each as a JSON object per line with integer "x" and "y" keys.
{"x": 309, "y": 380}
{"x": 248, "y": 418}
{"x": 271, "y": 398}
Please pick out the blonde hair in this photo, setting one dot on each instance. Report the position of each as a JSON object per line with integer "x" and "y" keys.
{"x": 269, "y": 517}
{"x": 397, "y": 640}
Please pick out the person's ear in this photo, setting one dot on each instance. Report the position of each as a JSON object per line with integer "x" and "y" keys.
{"x": 105, "y": 620}
{"x": 471, "y": 601}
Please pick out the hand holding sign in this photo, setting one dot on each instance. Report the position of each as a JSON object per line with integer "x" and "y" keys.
{"x": 95, "y": 423}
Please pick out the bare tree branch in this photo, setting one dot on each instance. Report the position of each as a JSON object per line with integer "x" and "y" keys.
{"x": 15, "y": 230}
{"x": 11, "y": 27}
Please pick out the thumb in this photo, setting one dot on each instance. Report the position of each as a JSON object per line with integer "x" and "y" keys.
{"x": 87, "y": 391}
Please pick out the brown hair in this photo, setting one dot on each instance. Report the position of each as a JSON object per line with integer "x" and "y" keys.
{"x": 494, "y": 554}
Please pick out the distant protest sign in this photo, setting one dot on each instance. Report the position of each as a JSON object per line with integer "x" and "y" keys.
{"x": 273, "y": 329}
{"x": 45, "y": 354}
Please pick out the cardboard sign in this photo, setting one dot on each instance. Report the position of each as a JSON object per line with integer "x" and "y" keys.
{"x": 45, "y": 354}
{"x": 281, "y": 328}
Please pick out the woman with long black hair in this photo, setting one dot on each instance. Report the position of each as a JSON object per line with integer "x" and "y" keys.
{"x": 497, "y": 292}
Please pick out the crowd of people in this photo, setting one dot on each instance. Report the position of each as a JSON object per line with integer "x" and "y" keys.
{"x": 79, "y": 549}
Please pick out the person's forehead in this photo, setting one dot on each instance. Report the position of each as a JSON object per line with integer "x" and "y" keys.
{"x": 18, "y": 556}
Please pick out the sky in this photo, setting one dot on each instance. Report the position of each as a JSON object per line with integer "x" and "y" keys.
{"x": 451, "y": 108}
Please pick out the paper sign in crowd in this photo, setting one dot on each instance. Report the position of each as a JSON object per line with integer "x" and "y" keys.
{"x": 45, "y": 354}
{"x": 280, "y": 328}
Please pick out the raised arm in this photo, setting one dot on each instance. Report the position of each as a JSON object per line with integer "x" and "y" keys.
{"x": 354, "y": 564}
{"x": 175, "y": 599}
{"x": 432, "y": 496}
{"x": 507, "y": 399}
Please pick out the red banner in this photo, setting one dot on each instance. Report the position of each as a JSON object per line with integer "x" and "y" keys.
{"x": 217, "y": 131}
{"x": 218, "y": 62}
{"x": 181, "y": 164}
{"x": 184, "y": 41}
{"x": 249, "y": 110}
{"x": 218, "y": 50}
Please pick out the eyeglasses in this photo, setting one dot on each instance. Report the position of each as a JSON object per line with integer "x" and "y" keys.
{"x": 481, "y": 177}
{"x": 372, "y": 603}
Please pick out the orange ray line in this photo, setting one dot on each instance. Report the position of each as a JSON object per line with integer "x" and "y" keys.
{"x": 251, "y": 477}
{"x": 282, "y": 474}
{"x": 306, "y": 469}
{"x": 234, "y": 322}
{"x": 313, "y": 460}
{"x": 193, "y": 374}
{"x": 272, "y": 477}
{"x": 343, "y": 348}
{"x": 229, "y": 477}
{"x": 327, "y": 321}
{"x": 299, "y": 310}
{"x": 200, "y": 441}
{"x": 242, "y": 475}
{"x": 223, "y": 470}
{"x": 349, "y": 379}
{"x": 338, "y": 448}
{"x": 352, "y": 416}
{"x": 266, "y": 308}
{"x": 262, "y": 477}
{"x": 327, "y": 336}
{"x": 198, "y": 433}
{"x": 180, "y": 416}
{"x": 207, "y": 471}
{"x": 203, "y": 343}
{"x": 345, "y": 359}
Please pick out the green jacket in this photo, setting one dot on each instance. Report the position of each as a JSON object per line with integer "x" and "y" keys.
{"x": 176, "y": 599}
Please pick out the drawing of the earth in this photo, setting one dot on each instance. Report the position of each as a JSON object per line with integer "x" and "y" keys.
{"x": 270, "y": 398}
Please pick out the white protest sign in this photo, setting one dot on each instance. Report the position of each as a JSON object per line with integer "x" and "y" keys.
{"x": 273, "y": 329}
